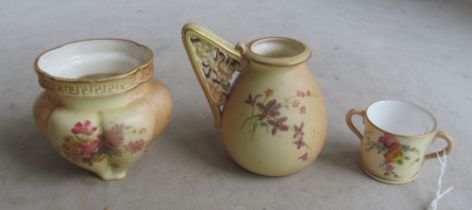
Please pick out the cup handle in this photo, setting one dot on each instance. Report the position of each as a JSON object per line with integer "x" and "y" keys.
{"x": 349, "y": 123}
{"x": 447, "y": 150}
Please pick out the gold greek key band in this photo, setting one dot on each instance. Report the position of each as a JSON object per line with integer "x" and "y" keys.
{"x": 98, "y": 87}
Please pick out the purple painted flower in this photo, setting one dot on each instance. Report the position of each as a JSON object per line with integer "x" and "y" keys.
{"x": 298, "y": 130}
{"x": 278, "y": 125}
{"x": 270, "y": 109}
{"x": 304, "y": 157}
{"x": 388, "y": 166}
{"x": 113, "y": 138}
{"x": 252, "y": 101}
{"x": 299, "y": 143}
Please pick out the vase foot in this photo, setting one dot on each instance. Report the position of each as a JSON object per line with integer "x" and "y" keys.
{"x": 112, "y": 175}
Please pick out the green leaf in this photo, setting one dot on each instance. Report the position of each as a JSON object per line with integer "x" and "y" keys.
{"x": 114, "y": 165}
{"x": 255, "y": 125}
{"x": 264, "y": 124}
{"x": 400, "y": 162}
{"x": 407, "y": 158}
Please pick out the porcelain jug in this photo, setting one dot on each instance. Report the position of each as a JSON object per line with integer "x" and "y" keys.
{"x": 272, "y": 114}
{"x": 100, "y": 108}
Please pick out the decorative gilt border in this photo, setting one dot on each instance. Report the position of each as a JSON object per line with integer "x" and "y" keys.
{"x": 199, "y": 43}
{"x": 96, "y": 87}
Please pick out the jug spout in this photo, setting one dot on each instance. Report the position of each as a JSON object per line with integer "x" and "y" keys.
{"x": 214, "y": 61}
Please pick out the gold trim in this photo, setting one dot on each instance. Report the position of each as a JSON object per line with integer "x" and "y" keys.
{"x": 387, "y": 181}
{"x": 204, "y": 63}
{"x": 299, "y": 58}
{"x": 215, "y": 89}
{"x": 95, "y": 87}
{"x": 434, "y": 129}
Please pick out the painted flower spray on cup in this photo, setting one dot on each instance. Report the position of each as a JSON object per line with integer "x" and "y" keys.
{"x": 395, "y": 139}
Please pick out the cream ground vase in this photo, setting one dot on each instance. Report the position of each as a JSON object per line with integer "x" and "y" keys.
{"x": 101, "y": 109}
{"x": 272, "y": 115}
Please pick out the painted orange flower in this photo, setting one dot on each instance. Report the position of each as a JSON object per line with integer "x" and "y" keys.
{"x": 269, "y": 92}
{"x": 394, "y": 155}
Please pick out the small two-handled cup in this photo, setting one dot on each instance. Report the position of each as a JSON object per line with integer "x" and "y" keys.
{"x": 396, "y": 137}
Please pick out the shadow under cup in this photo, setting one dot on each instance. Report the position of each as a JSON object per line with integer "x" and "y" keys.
{"x": 396, "y": 137}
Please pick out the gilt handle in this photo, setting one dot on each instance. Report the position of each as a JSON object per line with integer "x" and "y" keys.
{"x": 214, "y": 62}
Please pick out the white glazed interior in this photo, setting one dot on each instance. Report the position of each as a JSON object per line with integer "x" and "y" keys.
{"x": 94, "y": 59}
{"x": 401, "y": 118}
{"x": 277, "y": 47}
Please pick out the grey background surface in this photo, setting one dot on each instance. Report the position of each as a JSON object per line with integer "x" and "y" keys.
{"x": 363, "y": 51}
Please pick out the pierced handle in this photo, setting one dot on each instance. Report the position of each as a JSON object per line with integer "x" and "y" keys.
{"x": 349, "y": 123}
{"x": 214, "y": 61}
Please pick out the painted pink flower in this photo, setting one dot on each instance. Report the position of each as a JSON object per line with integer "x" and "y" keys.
{"x": 87, "y": 149}
{"x": 278, "y": 125}
{"x": 300, "y": 93}
{"x": 85, "y": 128}
{"x": 295, "y": 103}
{"x": 389, "y": 141}
{"x": 304, "y": 157}
{"x": 136, "y": 146}
{"x": 299, "y": 143}
{"x": 298, "y": 130}
{"x": 302, "y": 110}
